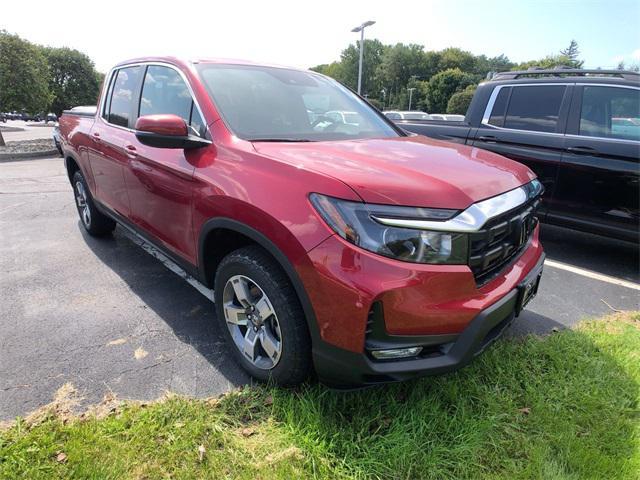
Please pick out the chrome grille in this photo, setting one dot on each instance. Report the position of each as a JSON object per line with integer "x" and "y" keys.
{"x": 500, "y": 241}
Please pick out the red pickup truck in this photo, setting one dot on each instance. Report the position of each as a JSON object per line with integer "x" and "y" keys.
{"x": 334, "y": 240}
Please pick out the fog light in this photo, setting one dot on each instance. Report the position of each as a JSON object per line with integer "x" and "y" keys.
{"x": 396, "y": 353}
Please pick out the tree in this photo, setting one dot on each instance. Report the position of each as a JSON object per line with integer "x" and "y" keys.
{"x": 346, "y": 70}
{"x": 631, "y": 68}
{"x": 399, "y": 63}
{"x": 572, "y": 52}
{"x": 24, "y": 75}
{"x": 375, "y": 103}
{"x": 333, "y": 69}
{"x": 485, "y": 65}
{"x": 431, "y": 64}
{"x": 442, "y": 86}
{"x": 73, "y": 79}
{"x": 548, "y": 62}
{"x": 395, "y": 68}
{"x": 460, "y": 101}
{"x": 372, "y": 58}
{"x": 456, "y": 58}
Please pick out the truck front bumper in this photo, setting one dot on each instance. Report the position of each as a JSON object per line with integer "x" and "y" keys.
{"x": 341, "y": 368}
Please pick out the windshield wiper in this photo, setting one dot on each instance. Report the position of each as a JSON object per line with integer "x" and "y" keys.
{"x": 290, "y": 140}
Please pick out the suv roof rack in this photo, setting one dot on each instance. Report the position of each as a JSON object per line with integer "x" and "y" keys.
{"x": 563, "y": 71}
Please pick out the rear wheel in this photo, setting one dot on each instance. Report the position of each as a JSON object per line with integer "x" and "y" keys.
{"x": 261, "y": 316}
{"x": 94, "y": 222}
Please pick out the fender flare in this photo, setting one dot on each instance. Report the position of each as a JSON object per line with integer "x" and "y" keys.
{"x": 67, "y": 156}
{"x": 264, "y": 242}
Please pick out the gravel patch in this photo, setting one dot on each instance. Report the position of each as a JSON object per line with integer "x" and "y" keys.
{"x": 28, "y": 146}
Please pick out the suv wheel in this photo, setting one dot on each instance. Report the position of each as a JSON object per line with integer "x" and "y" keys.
{"x": 93, "y": 221}
{"x": 259, "y": 311}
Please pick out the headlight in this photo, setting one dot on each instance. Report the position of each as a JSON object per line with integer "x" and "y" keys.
{"x": 353, "y": 221}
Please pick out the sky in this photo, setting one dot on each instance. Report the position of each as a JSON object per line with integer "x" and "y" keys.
{"x": 306, "y": 33}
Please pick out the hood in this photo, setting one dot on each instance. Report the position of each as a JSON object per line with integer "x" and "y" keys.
{"x": 412, "y": 171}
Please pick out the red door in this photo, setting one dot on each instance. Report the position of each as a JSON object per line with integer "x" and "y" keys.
{"x": 160, "y": 180}
{"x": 160, "y": 184}
{"x": 108, "y": 158}
{"x": 108, "y": 163}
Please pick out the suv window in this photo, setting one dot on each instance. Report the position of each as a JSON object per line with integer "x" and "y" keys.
{"x": 123, "y": 90}
{"x": 164, "y": 91}
{"x": 499, "y": 107}
{"x": 610, "y": 112}
{"x": 534, "y": 108}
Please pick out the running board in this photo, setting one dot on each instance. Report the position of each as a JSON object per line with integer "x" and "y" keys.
{"x": 166, "y": 261}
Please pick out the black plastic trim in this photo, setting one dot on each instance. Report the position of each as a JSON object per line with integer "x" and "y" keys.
{"x": 276, "y": 253}
{"x": 377, "y": 337}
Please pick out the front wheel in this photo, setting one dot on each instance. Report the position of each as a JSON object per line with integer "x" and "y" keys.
{"x": 93, "y": 220}
{"x": 259, "y": 311}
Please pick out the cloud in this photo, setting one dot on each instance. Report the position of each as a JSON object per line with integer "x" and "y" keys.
{"x": 627, "y": 58}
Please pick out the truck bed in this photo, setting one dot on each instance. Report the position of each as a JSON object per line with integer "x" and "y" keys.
{"x": 84, "y": 111}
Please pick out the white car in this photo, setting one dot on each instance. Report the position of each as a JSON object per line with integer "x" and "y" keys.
{"x": 447, "y": 117}
{"x": 406, "y": 115}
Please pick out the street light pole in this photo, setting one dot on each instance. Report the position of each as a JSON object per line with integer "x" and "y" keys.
{"x": 361, "y": 30}
{"x": 410, "y": 95}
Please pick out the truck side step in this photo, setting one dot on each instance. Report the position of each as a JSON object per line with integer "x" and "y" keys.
{"x": 167, "y": 262}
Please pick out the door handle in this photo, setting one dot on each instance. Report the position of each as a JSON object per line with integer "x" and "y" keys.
{"x": 96, "y": 137}
{"x": 582, "y": 150}
{"x": 487, "y": 138}
{"x": 131, "y": 151}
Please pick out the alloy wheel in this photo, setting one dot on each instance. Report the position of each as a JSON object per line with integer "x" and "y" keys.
{"x": 252, "y": 322}
{"x": 83, "y": 204}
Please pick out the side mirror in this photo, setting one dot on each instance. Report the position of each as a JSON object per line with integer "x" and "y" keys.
{"x": 166, "y": 131}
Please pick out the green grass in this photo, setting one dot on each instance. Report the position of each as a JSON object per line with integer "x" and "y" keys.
{"x": 564, "y": 406}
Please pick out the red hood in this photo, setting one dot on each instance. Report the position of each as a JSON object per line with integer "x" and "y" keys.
{"x": 413, "y": 171}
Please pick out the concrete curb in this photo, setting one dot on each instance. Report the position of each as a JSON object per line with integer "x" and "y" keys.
{"x": 13, "y": 156}
{"x": 10, "y": 129}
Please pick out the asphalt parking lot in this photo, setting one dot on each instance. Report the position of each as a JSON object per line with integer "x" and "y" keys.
{"x": 107, "y": 317}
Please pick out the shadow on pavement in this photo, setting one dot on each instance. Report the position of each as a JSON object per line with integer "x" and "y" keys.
{"x": 530, "y": 322}
{"x": 170, "y": 297}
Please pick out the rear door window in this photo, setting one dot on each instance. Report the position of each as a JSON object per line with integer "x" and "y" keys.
{"x": 500, "y": 107}
{"x": 534, "y": 108}
{"x": 122, "y": 96}
{"x": 164, "y": 91}
{"x": 610, "y": 112}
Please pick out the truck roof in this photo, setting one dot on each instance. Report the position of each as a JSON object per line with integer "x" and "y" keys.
{"x": 185, "y": 62}
{"x": 567, "y": 74}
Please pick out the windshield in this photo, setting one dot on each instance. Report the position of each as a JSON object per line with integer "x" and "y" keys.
{"x": 271, "y": 104}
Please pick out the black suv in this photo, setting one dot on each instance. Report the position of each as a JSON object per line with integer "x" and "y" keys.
{"x": 578, "y": 130}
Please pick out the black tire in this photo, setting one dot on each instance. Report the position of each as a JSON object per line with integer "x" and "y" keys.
{"x": 294, "y": 364}
{"x": 94, "y": 222}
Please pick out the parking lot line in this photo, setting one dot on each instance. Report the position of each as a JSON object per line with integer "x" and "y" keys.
{"x": 591, "y": 274}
